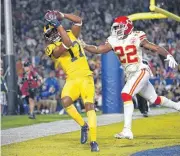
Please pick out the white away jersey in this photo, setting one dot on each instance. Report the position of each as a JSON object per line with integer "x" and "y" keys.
{"x": 129, "y": 51}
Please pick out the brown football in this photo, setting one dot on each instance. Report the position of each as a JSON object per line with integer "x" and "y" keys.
{"x": 58, "y": 15}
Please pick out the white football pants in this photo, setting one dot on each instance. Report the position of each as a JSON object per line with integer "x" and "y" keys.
{"x": 138, "y": 82}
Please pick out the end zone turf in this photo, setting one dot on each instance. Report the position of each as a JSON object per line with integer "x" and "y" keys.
{"x": 149, "y": 133}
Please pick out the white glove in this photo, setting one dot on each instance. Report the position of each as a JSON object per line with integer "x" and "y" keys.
{"x": 171, "y": 60}
{"x": 82, "y": 43}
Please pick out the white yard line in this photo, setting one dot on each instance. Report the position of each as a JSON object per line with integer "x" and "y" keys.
{"x": 14, "y": 135}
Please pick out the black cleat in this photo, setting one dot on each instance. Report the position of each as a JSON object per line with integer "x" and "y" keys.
{"x": 32, "y": 116}
{"x": 84, "y": 133}
{"x": 145, "y": 114}
{"x": 94, "y": 146}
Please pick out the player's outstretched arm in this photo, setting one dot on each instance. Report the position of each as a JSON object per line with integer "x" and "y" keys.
{"x": 160, "y": 50}
{"x": 77, "y": 22}
{"x": 148, "y": 45}
{"x": 96, "y": 49}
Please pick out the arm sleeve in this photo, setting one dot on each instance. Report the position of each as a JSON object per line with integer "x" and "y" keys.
{"x": 111, "y": 41}
{"x": 142, "y": 36}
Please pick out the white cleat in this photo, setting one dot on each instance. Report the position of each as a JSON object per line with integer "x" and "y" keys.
{"x": 171, "y": 104}
{"x": 125, "y": 134}
{"x": 177, "y": 106}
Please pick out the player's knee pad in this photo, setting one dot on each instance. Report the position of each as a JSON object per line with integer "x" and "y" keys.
{"x": 158, "y": 100}
{"x": 126, "y": 97}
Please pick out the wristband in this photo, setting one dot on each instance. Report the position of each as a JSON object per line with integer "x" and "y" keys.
{"x": 62, "y": 14}
{"x": 78, "y": 24}
{"x": 65, "y": 46}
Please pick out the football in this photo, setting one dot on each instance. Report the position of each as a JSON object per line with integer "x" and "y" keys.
{"x": 50, "y": 15}
{"x": 58, "y": 15}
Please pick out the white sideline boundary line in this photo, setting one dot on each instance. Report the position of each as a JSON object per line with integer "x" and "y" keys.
{"x": 20, "y": 134}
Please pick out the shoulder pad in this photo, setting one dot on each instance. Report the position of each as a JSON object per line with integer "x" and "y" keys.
{"x": 111, "y": 40}
{"x": 141, "y": 35}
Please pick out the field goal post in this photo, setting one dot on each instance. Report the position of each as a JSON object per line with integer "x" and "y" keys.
{"x": 156, "y": 13}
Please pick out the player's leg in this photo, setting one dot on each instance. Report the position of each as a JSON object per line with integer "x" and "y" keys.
{"x": 149, "y": 93}
{"x": 133, "y": 85}
{"x": 87, "y": 94}
{"x": 146, "y": 108}
{"x": 70, "y": 93}
{"x": 142, "y": 105}
{"x": 162, "y": 100}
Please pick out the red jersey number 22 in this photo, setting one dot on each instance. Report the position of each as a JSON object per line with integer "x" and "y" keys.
{"x": 130, "y": 56}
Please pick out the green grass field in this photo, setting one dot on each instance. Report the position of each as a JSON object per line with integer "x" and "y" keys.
{"x": 152, "y": 132}
{"x": 23, "y": 120}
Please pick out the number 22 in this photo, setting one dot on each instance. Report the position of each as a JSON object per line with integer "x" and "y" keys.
{"x": 130, "y": 56}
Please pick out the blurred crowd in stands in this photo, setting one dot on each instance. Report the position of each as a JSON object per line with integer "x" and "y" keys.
{"x": 97, "y": 18}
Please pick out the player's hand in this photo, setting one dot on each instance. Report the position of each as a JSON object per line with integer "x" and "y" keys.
{"x": 171, "y": 60}
{"x": 82, "y": 43}
{"x": 55, "y": 23}
{"x": 59, "y": 15}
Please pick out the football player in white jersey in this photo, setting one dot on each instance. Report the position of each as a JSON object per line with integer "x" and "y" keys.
{"x": 128, "y": 44}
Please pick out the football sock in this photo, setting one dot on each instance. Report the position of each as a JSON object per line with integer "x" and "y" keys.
{"x": 72, "y": 111}
{"x": 128, "y": 112}
{"x": 92, "y": 122}
{"x": 168, "y": 103}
